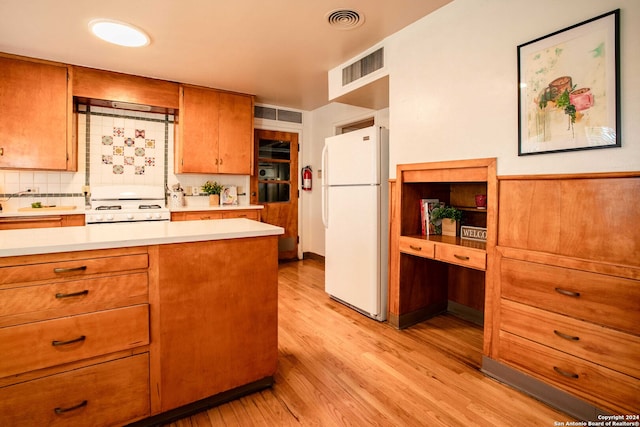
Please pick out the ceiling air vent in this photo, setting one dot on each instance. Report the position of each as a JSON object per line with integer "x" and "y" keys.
{"x": 345, "y": 19}
{"x": 370, "y": 63}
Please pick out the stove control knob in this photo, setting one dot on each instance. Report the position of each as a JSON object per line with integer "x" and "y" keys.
{"x": 98, "y": 217}
{"x": 129, "y": 216}
{"x": 110, "y": 217}
{"x": 148, "y": 216}
{"x": 157, "y": 215}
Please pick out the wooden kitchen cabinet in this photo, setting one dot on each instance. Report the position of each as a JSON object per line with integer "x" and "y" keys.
{"x": 99, "y": 87}
{"x": 216, "y": 324}
{"x": 216, "y": 214}
{"x": 36, "y": 123}
{"x": 567, "y": 291}
{"x": 431, "y": 274}
{"x": 44, "y": 221}
{"x": 74, "y": 330}
{"x": 214, "y": 132}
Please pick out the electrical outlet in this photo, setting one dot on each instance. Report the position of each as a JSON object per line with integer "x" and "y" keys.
{"x": 31, "y": 190}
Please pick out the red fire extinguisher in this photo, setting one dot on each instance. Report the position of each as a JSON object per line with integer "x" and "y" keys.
{"x": 306, "y": 178}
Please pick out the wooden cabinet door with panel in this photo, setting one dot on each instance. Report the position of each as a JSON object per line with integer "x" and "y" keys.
{"x": 215, "y": 132}
{"x": 196, "y": 147}
{"x": 36, "y": 118}
{"x": 235, "y": 133}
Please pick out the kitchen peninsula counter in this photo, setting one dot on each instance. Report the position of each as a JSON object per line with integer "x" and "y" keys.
{"x": 107, "y": 236}
{"x": 142, "y": 323}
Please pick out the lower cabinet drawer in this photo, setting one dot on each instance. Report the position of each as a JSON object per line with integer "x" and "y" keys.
{"x": 241, "y": 214}
{"x": 65, "y": 298}
{"x": 419, "y": 247}
{"x": 597, "y": 298}
{"x": 460, "y": 255}
{"x": 64, "y": 269}
{"x": 603, "y": 346}
{"x": 40, "y": 345}
{"x": 605, "y": 388}
{"x": 107, "y": 394}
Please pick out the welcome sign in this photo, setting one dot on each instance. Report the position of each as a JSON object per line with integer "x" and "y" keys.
{"x": 473, "y": 233}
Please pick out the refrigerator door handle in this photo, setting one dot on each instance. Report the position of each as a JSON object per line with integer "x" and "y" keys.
{"x": 324, "y": 201}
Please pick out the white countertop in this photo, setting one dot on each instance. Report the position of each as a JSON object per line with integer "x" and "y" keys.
{"x": 42, "y": 212}
{"x": 81, "y": 211}
{"x": 108, "y": 236}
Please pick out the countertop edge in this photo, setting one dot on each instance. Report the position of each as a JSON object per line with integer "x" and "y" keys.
{"x": 105, "y": 236}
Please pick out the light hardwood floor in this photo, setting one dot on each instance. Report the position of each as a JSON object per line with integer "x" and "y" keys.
{"x": 339, "y": 368}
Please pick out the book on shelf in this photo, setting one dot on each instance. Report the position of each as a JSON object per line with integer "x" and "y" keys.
{"x": 426, "y": 206}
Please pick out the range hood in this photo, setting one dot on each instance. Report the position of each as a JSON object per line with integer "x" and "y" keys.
{"x": 120, "y": 105}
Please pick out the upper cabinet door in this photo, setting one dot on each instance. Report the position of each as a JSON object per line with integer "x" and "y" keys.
{"x": 196, "y": 147}
{"x": 214, "y": 132}
{"x": 35, "y": 123}
{"x": 235, "y": 140}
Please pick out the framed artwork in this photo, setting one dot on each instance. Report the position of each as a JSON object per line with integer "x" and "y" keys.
{"x": 569, "y": 94}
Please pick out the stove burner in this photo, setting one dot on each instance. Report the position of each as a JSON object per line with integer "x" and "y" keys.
{"x": 108, "y": 208}
{"x": 149, "y": 207}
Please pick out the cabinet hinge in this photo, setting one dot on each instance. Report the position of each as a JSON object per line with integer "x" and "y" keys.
{"x": 298, "y": 239}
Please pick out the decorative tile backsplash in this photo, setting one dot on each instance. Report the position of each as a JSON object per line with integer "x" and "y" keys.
{"x": 127, "y": 147}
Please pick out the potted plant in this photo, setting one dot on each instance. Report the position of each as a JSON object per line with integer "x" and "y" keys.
{"x": 445, "y": 219}
{"x": 213, "y": 189}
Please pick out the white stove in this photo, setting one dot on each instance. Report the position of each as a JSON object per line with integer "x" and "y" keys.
{"x": 127, "y": 203}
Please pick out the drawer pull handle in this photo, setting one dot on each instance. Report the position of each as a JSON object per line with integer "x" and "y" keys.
{"x": 56, "y": 343}
{"x": 72, "y": 408}
{"x": 565, "y": 373}
{"x": 416, "y": 248}
{"x": 565, "y": 336}
{"x": 205, "y": 217}
{"x": 70, "y": 269}
{"x": 567, "y": 293}
{"x": 73, "y": 294}
{"x": 461, "y": 257}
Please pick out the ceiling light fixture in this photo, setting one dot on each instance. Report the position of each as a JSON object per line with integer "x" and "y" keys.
{"x": 119, "y": 33}
{"x": 345, "y": 19}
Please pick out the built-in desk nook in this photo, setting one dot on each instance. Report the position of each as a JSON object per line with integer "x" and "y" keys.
{"x": 433, "y": 273}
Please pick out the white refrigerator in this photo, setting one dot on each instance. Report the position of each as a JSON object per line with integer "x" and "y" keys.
{"x": 355, "y": 170}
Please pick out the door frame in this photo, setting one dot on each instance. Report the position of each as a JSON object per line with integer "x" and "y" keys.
{"x": 295, "y": 179}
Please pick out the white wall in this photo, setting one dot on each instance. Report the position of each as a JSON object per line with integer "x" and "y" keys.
{"x": 453, "y": 84}
{"x": 324, "y": 121}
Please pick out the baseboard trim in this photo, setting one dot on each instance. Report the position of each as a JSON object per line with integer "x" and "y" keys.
{"x": 465, "y": 312}
{"x": 541, "y": 391}
{"x": 206, "y": 403}
{"x": 409, "y": 319}
{"x": 311, "y": 255}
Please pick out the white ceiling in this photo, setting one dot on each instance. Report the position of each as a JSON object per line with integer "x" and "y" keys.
{"x": 279, "y": 50}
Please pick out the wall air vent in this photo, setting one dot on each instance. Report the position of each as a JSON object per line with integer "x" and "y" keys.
{"x": 277, "y": 114}
{"x": 367, "y": 65}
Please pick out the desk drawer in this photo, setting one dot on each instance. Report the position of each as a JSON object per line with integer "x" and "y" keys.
{"x": 25, "y": 304}
{"x": 605, "y": 388}
{"x": 418, "y": 247}
{"x": 107, "y": 394}
{"x": 72, "y": 268}
{"x": 604, "y": 346}
{"x": 460, "y": 255}
{"x": 39, "y": 345}
{"x": 597, "y": 298}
